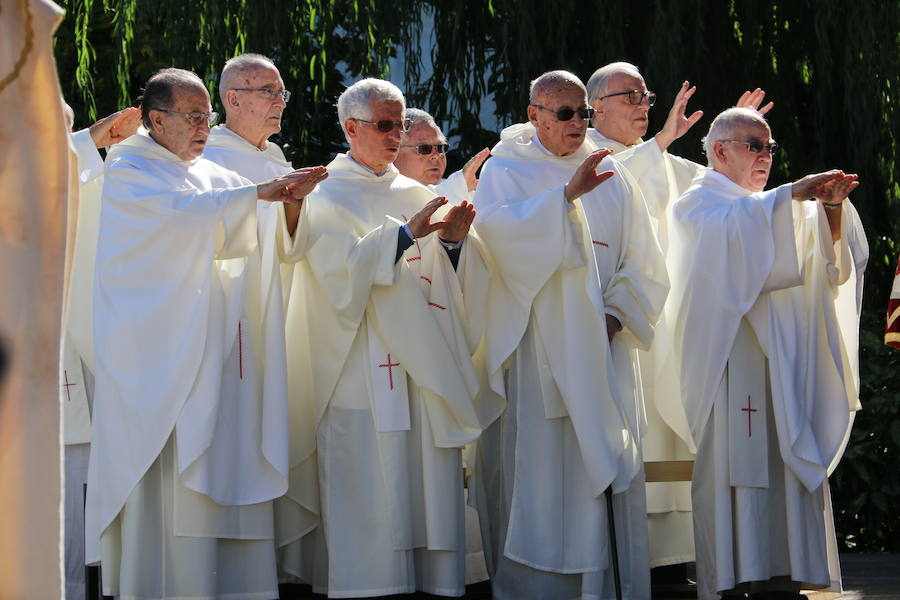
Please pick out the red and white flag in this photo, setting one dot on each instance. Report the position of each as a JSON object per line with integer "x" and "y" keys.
{"x": 892, "y": 332}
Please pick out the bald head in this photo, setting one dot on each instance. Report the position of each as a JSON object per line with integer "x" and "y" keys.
{"x": 236, "y": 69}
{"x": 553, "y": 83}
{"x": 162, "y": 87}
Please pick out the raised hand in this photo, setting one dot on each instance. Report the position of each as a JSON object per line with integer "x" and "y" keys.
{"x": 677, "y": 124}
{"x": 292, "y": 187}
{"x": 457, "y": 222}
{"x": 835, "y": 191}
{"x": 420, "y": 224}
{"x": 753, "y": 100}
{"x": 116, "y": 127}
{"x": 811, "y": 185}
{"x": 470, "y": 170}
{"x": 586, "y": 177}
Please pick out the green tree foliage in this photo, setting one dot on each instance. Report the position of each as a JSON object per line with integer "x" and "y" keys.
{"x": 832, "y": 68}
{"x": 107, "y": 49}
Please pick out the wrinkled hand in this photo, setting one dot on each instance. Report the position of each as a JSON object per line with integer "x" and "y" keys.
{"x": 116, "y": 127}
{"x": 834, "y": 192}
{"x": 677, "y": 124}
{"x": 457, "y": 222}
{"x": 292, "y": 187}
{"x": 420, "y": 224}
{"x": 810, "y": 186}
{"x": 586, "y": 177}
{"x": 470, "y": 170}
{"x": 753, "y": 100}
{"x": 613, "y": 326}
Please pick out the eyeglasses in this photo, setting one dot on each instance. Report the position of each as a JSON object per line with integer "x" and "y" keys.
{"x": 566, "y": 113}
{"x": 635, "y": 96}
{"x": 426, "y": 149}
{"x": 387, "y": 126}
{"x": 269, "y": 94}
{"x": 194, "y": 118}
{"x": 756, "y": 146}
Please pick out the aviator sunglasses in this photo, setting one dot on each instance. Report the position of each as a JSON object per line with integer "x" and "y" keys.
{"x": 566, "y": 113}
{"x": 387, "y": 125}
{"x": 426, "y": 149}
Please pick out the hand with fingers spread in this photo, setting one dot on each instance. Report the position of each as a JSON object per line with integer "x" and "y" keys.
{"x": 116, "y": 127}
{"x": 291, "y": 187}
{"x": 677, "y": 124}
{"x": 470, "y": 170}
{"x": 457, "y": 222}
{"x": 753, "y": 100}
{"x": 811, "y": 185}
{"x": 586, "y": 177}
{"x": 420, "y": 224}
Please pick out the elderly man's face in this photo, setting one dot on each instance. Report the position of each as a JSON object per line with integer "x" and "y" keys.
{"x": 174, "y": 132}
{"x": 370, "y": 146}
{"x": 254, "y": 113}
{"x": 615, "y": 117}
{"x": 559, "y": 137}
{"x": 750, "y": 170}
{"x": 424, "y": 168}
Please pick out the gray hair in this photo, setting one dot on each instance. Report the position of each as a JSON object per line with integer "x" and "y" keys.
{"x": 235, "y": 66}
{"x": 356, "y": 101}
{"x": 160, "y": 90}
{"x": 723, "y": 127}
{"x": 417, "y": 115}
{"x": 599, "y": 81}
{"x": 551, "y": 82}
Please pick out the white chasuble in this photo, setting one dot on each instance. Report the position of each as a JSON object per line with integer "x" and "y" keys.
{"x": 662, "y": 178}
{"x": 359, "y": 324}
{"x": 78, "y": 342}
{"x": 763, "y": 265}
{"x": 575, "y": 416}
{"x": 297, "y": 512}
{"x": 177, "y": 339}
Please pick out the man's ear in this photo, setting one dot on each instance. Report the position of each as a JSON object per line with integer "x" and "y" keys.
{"x": 351, "y": 126}
{"x": 231, "y": 98}
{"x": 156, "y": 119}
{"x": 532, "y": 114}
{"x": 719, "y": 151}
{"x": 599, "y": 109}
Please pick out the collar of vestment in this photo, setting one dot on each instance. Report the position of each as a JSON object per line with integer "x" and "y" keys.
{"x": 728, "y": 187}
{"x": 221, "y": 136}
{"x": 141, "y": 144}
{"x": 604, "y": 142}
{"x": 345, "y": 167}
{"x": 521, "y": 142}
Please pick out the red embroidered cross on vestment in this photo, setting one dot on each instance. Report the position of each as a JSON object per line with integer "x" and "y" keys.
{"x": 389, "y": 366}
{"x": 67, "y": 385}
{"x": 749, "y": 412}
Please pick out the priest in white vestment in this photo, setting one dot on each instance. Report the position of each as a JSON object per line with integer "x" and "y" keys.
{"x": 186, "y": 454}
{"x": 765, "y": 294}
{"x": 423, "y": 157}
{"x": 253, "y": 95}
{"x": 621, "y": 100}
{"x": 77, "y": 352}
{"x": 579, "y": 283}
{"x": 384, "y": 393}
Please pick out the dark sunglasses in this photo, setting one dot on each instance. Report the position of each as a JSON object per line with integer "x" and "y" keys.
{"x": 386, "y": 125}
{"x": 566, "y": 113}
{"x": 426, "y": 149}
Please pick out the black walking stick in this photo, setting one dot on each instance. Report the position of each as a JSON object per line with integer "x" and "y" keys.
{"x": 612, "y": 542}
